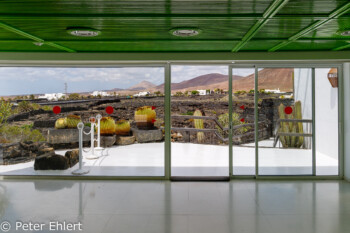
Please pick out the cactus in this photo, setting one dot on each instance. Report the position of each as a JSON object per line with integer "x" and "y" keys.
{"x": 122, "y": 127}
{"x": 298, "y": 115}
{"x": 291, "y": 127}
{"x": 198, "y": 124}
{"x": 61, "y": 123}
{"x": 73, "y": 121}
{"x": 145, "y": 117}
{"x": 107, "y": 125}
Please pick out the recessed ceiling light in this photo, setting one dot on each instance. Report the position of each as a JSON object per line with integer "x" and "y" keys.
{"x": 83, "y": 32}
{"x": 38, "y": 43}
{"x": 185, "y": 32}
{"x": 344, "y": 32}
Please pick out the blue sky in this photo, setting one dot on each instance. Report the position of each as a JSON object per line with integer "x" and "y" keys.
{"x": 38, "y": 80}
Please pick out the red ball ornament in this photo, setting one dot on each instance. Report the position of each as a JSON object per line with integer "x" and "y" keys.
{"x": 56, "y": 109}
{"x": 109, "y": 110}
{"x": 288, "y": 110}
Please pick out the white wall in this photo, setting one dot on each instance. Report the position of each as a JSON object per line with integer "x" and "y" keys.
{"x": 326, "y": 111}
{"x": 346, "y": 116}
{"x": 326, "y": 108}
{"x": 303, "y": 93}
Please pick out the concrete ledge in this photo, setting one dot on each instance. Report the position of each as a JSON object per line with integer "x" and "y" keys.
{"x": 65, "y": 136}
{"x": 142, "y": 136}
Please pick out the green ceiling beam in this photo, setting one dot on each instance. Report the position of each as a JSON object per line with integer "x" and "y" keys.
{"x": 335, "y": 14}
{"x": 34, "y": 38}
{"x": 111, "y": 58}
{"x": 145, "y": 16}
{"x": 170, "y": 40}
{"x": 268, "y": 14}
{"x": 341, "y": 47}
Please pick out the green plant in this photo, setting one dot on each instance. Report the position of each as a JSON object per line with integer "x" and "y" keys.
{"x": 262, "y": 91}
{"x": 73, "y": 121}
{"x": 47, "y": 108}
{"x": 25, "y": 106}
{"x": 10, "y": 133}
{"x": 188, "y": 113}
{"x": 145, "y": 117}
{"x": 251, "y": 91}
{"x": 74, "y": 96}
{"x": 194, "y": 92}
{"x": 179, "y": 93}
{"x": 107, "y": 126}
{"x": 291, "y": 127}
{"x": 5, "y": 111}
{"x": 198, "y": 124}
{"x": 61, "y": 123}
{"x": 122, "y": 127}
{"x": 223, "y": 119}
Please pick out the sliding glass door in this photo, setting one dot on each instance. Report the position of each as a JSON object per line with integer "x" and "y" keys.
{"x": 285, "y": 116}
{"x": 243, "y": 126}
{"x": 285, "y": 121}
{"x": 199, "y": 122}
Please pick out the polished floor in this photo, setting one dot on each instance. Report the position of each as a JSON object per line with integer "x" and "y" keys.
{"x": 248, "y": 206}
{"x": 190, "y": 159}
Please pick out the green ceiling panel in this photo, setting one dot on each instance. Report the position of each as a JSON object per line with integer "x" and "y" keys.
{"x": 306, "y": 7}
{"x": 259, "y": 45}
{"x": 283, "y": 28}
{"x": 6, "y": 35}
{"x": 330, "y": 29}
{"x": 136, "y": 28}
{"x": 143, "y": 25}
{"x": 19, "y": 46}
{"x": 316, "y": 45}
{"x": 134, "y": 7}
{"x": 150, "y": 46}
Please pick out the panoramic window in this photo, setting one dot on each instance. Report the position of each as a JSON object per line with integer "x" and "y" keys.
{"x": 122, "y": 111}
{"x": 199, "y": 121}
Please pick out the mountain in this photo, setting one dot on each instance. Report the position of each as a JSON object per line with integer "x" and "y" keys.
{"x": 144, "y": 85}
{"x": 115, "y": 89}
{"x": 268, "y": 78}
{"x": 207, "y": 81}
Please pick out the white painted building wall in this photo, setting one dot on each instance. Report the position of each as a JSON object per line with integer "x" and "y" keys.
{"x": 326, "y": 108}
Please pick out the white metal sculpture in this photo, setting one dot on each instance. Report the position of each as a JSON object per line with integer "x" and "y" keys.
{"x": 81, "y": 170}
{"x": 99, "y": 148}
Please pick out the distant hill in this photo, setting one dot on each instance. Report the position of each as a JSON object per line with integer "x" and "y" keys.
{"x": 269, "y": 78}
{"x": 142, "y": 86}
{"x": 207, "y": 81}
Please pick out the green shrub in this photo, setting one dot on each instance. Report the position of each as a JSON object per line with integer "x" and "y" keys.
{"x": 262, "y": 91}
{"x": 76, "y": 96}
{"x": 188, "y": 113}
{"x": 5, "y": 111}
{"x": 251, "y": 91}
{"x": 47, "y": 108}
{"x": 25, "y": 106}
{"x": 23, "y": 133}
{"x": 194, "y": 92}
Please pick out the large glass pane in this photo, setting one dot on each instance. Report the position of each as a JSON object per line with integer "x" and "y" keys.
{"x": 326, "y": 114}
{"x": 285, "y": 120}
{"x": 199, "y": 121}
{"x": 43, "y": 105}
{"x": 243, "y": 127}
